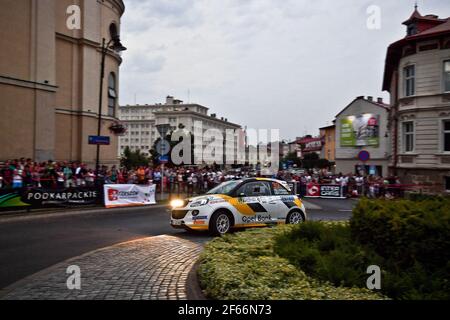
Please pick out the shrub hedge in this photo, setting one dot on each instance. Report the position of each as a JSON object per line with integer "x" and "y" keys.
{"x": 244, "y": 266}
{"x": 409, "y": 240}
{"x": 404, "y": 231}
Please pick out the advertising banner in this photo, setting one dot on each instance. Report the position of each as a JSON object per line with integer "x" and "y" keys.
{"x": 129, "y": 195}
{"x": 314, "y": 190}
{"x": 331, "y": 191}
{"x": 360, "y": 131}
{"x": 46, "y": 198}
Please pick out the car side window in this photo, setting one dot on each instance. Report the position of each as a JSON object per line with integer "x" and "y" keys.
{"x": 254, "y": 189}
{"x": 279, "y": 190}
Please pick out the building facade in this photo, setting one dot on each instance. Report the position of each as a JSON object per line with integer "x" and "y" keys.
{"x": 417, "y": 75}
{"x": 49, "y": 78}
{"x": 328, "y": 135}
{"x": 363, "y": 126}
{"x": 142, "y": 121}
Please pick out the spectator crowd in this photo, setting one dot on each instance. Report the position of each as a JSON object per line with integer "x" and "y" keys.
{"x": 180, "y": 180}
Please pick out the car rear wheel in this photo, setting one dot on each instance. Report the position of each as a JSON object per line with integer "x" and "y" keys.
{"x": 220, "y": 224}
{"x": 295, "y": 217}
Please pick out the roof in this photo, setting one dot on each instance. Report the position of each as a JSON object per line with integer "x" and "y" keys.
{"x": 417, "y": 16}
{"x": 328, "y": 127}
{"x": 375, "y": 103}
{"x": 434, "y": 27}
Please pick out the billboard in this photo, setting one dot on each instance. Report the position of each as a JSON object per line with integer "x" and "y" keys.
{"x": 360, "y": 131}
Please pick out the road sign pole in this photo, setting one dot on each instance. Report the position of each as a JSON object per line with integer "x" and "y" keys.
{"x": 162, "y": 182}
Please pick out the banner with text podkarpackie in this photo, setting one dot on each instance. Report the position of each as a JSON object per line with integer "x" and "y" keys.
{"x": 129, "y": 195}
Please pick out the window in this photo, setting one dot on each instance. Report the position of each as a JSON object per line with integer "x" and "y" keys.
{"x": 447, "y": 76}
{"x": 409, "y": 74}
{"x": 113, "y": 31}
{"x": 412, "y": 29}
{"x": 408, "y": 136}
{"x": 279, "y": 190}
{"x": 112, "y": 95}
{"x": 447, "y": 184}
{"x": 255, "y": 189}
{"x": 446, "y": 135}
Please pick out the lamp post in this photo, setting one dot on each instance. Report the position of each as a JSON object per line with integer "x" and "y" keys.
{"x": 116, "y": 46}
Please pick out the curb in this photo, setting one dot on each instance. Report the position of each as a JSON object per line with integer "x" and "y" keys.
{"x": 193, "y": 289}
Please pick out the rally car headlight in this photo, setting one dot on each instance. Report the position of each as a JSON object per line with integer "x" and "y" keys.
{"x": 199, "y": 203}
{"x": 177, "y": 204}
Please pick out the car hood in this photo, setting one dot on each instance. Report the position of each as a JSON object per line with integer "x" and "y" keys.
{"x": 207, "y": 197}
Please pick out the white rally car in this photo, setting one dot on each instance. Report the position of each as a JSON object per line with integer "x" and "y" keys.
{"x": 239, "y": 204}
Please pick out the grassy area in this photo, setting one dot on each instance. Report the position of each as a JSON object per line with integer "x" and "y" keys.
{"x": 244, "y": 266}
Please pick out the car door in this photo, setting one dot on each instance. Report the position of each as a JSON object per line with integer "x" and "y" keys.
{"x": 253, "y": 198}
{"x": 281, "y": 201}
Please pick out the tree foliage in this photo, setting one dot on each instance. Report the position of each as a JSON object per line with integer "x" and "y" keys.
{"x": 132, "y": 159}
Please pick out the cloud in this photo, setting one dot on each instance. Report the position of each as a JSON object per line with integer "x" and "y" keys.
{"x": 291, "y": 64}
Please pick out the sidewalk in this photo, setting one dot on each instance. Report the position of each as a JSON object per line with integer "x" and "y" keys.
{"x": 155, "y": 268}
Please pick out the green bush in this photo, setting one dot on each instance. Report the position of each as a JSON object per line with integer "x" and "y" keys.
{"x": 409, "y": 240}
{"x": 243, "y": 266}
{"x": 327, "y": 252}
{"x": 405, "y": 232}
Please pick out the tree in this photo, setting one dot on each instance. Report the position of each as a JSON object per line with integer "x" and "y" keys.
{"x": 132, "y": 159}
{"x": 292, "y": 158}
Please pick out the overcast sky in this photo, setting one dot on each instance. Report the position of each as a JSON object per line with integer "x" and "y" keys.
{"x": 284, "y": 64}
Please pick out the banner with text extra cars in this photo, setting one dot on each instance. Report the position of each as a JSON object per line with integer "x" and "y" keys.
{"x": 129, "y": 195}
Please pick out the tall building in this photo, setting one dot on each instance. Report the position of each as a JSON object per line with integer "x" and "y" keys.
{"x": 141, "y": 122}
{"x": 417, "y": 75}
{"x": 49, "y": 78}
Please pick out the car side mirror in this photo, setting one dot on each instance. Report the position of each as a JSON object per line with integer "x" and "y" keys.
{"x": 241, "y": 195}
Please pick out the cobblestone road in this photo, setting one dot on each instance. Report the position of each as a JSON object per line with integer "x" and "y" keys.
{"x": 155, "y": 268}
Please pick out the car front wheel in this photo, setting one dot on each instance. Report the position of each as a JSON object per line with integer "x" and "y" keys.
{"x": 295, "y": 217}
{"x": 220, "y": 224}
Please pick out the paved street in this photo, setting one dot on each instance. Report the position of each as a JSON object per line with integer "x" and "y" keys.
{"x": 155, "y": 268}
{"x": 31, "y": 244}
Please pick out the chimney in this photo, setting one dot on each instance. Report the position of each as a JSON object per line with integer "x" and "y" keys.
{"x": 380, "y": 100}
{"x": 370, "y": 98}
{"x": 360, "y": 97}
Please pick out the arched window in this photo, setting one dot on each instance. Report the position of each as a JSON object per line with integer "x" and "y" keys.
{"x": 113, "y": 32}
{"x": 112, "y": 95}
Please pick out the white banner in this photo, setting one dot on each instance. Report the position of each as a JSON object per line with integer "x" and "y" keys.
{"x": 129, "y": 195}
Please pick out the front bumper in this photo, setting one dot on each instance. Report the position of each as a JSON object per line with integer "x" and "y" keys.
{"x": 196, "y": 219}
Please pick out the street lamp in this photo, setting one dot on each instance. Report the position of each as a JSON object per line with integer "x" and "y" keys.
{"x": 115, "y": 45}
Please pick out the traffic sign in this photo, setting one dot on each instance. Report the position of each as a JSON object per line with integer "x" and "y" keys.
{"x": 163, "y": 130}
{"x": 364, "y": 156}
{"x": 163, "y": 159}
{"x": 163, "y": 147}
{"x": 99, "y": 140}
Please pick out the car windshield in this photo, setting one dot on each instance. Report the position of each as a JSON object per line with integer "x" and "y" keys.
{"x": 224, "y": 188}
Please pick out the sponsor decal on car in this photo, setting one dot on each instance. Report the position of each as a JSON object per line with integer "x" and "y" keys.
{"x": 257, "y": 218}
{"x": 200, "y": 218}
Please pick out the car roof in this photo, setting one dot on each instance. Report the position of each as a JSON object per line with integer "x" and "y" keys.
{"x": 264, "y": 179}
